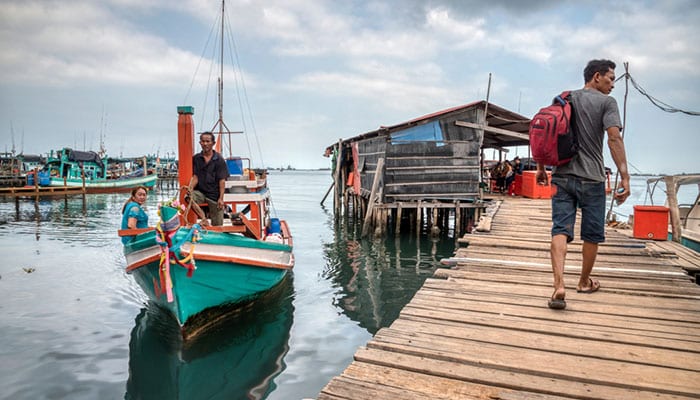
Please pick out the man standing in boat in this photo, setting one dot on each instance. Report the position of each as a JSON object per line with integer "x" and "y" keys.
{"x": 209, "y": 173}
{"x": 581, "y": 182}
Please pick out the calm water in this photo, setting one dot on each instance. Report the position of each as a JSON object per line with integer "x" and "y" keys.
{"x": 75, "y": 326}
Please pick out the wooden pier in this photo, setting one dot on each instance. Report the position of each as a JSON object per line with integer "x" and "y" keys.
{"x": 482, "y": 330}
{"x": 42, "y": 191}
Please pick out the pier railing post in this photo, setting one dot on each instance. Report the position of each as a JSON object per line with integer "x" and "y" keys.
{"x": 672, "y": 200}
{"x": 336, "y": 180}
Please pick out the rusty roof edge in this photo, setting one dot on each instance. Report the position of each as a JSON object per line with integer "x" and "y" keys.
{"x": 493, "y": 109}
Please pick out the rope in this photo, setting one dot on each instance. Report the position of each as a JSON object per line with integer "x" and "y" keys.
{"x": 658, "y": 103}
{"x": 171, "y": 252}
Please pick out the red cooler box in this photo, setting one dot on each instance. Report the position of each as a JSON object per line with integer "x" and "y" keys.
{"x": 650, "y": 222}
{"x": 518, "y": 185}
{"x": 531, "y": 189}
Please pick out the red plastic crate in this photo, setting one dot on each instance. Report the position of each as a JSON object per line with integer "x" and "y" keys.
{"x": 531, "y": 189}
{"x": 518, "y": 185}
{"x": 650, "y": 222}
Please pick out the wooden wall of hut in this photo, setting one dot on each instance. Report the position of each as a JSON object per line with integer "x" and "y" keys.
{"x": 434, "y": 184}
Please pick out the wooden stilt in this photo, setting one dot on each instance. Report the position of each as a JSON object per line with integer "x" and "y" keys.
{"x": 397, "y": 229}
{"x": 458, "y": 220}
{"x": 336, "y": 179}
{"x": 418, "y": 218}
{"x": 434, "y": 230}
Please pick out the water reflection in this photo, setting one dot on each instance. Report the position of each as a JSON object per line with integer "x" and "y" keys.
{"x": 377, "y": 278}
{"x": 238, "y": 359}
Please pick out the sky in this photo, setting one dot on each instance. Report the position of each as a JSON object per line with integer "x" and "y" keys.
{"x": 305, "y": 73}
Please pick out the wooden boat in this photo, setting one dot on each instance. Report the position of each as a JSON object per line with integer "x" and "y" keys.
{"x": 686, "y": 227}
{"x": 72, "y": 168}
{"x": 213, "y": 266}
{"x": 239, "y": 359}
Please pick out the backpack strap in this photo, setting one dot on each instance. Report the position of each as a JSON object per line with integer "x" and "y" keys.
{"x": 561, "y": 99}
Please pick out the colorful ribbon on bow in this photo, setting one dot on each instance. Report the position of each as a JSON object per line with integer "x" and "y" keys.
{"x": 171, "y": 252}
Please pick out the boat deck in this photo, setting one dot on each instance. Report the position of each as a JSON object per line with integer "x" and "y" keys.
{"x": 482, "y": 330}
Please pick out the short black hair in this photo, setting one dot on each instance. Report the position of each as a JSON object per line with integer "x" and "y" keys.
{"x": 213, "y": 137}
{"x": 602, "y": 66}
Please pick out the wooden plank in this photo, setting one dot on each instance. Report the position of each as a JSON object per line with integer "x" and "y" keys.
{"x": 516, "y": 135}
{"x": 576, "y": 312}
{"x": 660, "y": 269}
{"x": 541, "y": 257}
{"x": 543, "y": 291}
{"x": 621, "y": 334}
{"x": 542, "y": 363}
{"x": 600, "y": 303}
{"x": 510, "y": 379}
{"x": 436, "y": 386}
{"x": 639, "y": 286}
{"x": 551, "y": 342}
{"x": 349, "y": 388}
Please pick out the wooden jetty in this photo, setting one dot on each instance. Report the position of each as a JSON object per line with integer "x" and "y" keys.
{"x": 482, "y": 330}
{"x": 42, "y": 191}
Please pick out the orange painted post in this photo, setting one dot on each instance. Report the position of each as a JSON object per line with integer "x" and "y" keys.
{"x": 185, "y": 143}
{"x": 185, "y": 150}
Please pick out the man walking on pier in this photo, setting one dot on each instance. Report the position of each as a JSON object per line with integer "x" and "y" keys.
{"x": 581, "y": 182}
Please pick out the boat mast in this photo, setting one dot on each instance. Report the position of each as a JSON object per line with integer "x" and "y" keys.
{"x": 221, "y": 72}
{"x": 222, "y": 128}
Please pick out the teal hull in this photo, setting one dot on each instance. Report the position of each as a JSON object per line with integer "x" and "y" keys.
{"x": 690, "y": 243}
{"x": 238, "y": 360}
{"x": 107, "y": 185}
{"x": 214, "y": 282}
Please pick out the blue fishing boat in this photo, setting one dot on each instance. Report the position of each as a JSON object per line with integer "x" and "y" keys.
{"x": 73, "y": 168}
{"x": 189, "y": 267}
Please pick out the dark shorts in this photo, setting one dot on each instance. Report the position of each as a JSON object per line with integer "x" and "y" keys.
{"x": 215, "y": 214}
{"x": 572, "y": 193}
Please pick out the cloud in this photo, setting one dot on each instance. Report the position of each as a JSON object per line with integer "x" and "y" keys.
{"x": 462, "y": 33}
{"x": 78, "y": 43}
{"x": 410, "y": 88}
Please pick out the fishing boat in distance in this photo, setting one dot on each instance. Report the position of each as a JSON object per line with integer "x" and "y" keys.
{"x": 192, "y": 269}
{"x": 73, "y": 168}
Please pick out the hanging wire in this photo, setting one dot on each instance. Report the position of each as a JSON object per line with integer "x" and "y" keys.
{"x": 622, "y": 135}
{"x": 658, "y": 103}
{"x": 201, "y": 57}
{"x": 247, "y": 103}
{"x": 238, "y": 74}
{"x": 233, "y": 51}
{"x": 212, "y": 64}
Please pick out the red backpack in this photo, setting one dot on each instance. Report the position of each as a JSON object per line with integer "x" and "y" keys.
{"x": 552, "y": 137}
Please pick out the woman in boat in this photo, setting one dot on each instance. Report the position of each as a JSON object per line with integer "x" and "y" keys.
{"x": 133, "y": 215}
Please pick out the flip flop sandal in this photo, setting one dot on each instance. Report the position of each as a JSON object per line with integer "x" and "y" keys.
{"x": 556, "y": 304}
{"x": 595, "y": 285}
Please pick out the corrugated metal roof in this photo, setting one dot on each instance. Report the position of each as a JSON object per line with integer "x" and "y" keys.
{"x": 498, "y": 117}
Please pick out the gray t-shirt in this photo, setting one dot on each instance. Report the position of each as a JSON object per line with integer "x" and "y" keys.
{"x": 595, "y": 112}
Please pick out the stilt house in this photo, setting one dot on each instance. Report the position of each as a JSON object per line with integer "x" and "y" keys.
{"x": 436, "y": 159}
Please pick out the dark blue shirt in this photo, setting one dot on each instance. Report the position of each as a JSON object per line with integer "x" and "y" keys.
{"x": 209, "y": 174}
